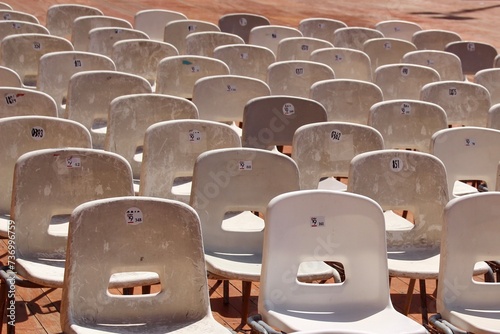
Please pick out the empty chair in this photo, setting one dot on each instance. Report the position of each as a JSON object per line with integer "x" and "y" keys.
{"x": 464, "y": 304}
{"x": 475, "y": 56}
{"x": 56, "y": 68}
{"x": 271, "y": 121}
{"x": 270, "y": 35}
{"x": 21, "y": 134}
{"x": 299, "y": 48}
{"x": 465, "y": 103}
{"x": 404, "y": 81}
{"x": 153, "y": 21}
{"x": 407, "y": 124}
{"x": 177, "y": 75}
{"x": 469, "y": 153}
{"x": 222, "y": 98}
{"x": 60, "y": 17}
{"x": 101, "y": 40}
{"x": 347, "y": 63}
{"x": 493, "y": 120}
{"x": 91, "y": 92}
{"x": 129, "y": 117}
{"x": 241, "y": 23}
{"x": 170, "y": 152}
{"x": 22, "y": 53}
{"x": 245, "y": 59}
{"x": 203, "y": 43}
{"x": 490, "y": 79}
{"x": 21, "y": 27}
{"x": 318, "y": 27}
{"x": 9, "y": 77}
{"x": 295, "y": 77}
{"x": 141, "y": 56}
{"x": 385, "y": 50}
{"x": 434, "y": 39}
{"x": 354, "y": 37}
{"x": 400, "y": 29}
{"x": 15, "y": 15}
{"x": 447, "y": 64}
{"x": 323, "y": 151}
{"x": 318, "y": 225}
{"x": 18, "y": 101}
{"x": 185, "y": 305}
{"x": 346, "y": 100}
{"x": 83, "y": 24}
{"x": 175, "y": 32}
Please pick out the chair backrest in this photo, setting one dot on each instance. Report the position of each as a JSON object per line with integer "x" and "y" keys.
{"x": 447, "y": 64}
{"x": 493, "y": 120}
{"x": 24, "y": 101}
{"x": 11, "y": 27}
{"x": 177, "y": 75}
{"x": 153, "y": 21}
{"x": 354, "y": 37}
{"x": 52, "y": 182}
{"x": 319, "y": 27}
{"x": 407, "y": 124}
{"x": 241, "y": 23}
{"x": 60, "y": 17}
{"x": 91, "y": 92}
{"x": 141, "y": 56}
{"x": 4, "y": 5}
{"x": 22, "y": 53}
{"x": 469, "y": 153}
{"x": 15, "y": 15}
{"x": 9, "y": 77}
{"x": 175, "y": 32}
{"x": 171, "y": 149}
{"x": 270, "y": 35}
{"x": 490, "y": 79}
{"x": 317, "y": 225}
{"x": 404, "y": 180}
{"x": 101, "y": 40}
{"x": 403, "y": 81}
{"x": 400, "y": 29}
{"x": 222, "y": 98}
{"x": 247, "y": 179}
{"x": 346, "y": 100}
{"x": 326, "y": 149}
{"x": 203, "y": 43}
{"x": 21, "y": 134}
{"x": 295, "y": 77}
{"x": 130, "y": 116}
{"x": 385, "y": 50}
{"x": 346, "y": 63}
{"x": 299, "y": 48}
{"x": 434, "y": 39}
{"x": 83, "y": 24}
{"x": 168, "y": 226}
{"x": 465, "y": 102}
{"x": 270, "y": 121}
{"x": 475, "y": 56}
{"x": 472, "y": 219}
{"x": 245, "y": 59}
{"x": 56, "y": 68}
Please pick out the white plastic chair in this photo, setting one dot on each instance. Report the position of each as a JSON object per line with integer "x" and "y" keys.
{"x": 319, "y": 27}
{"x": 11, "y": 27}
{"x": 83, "y": 24}
{"x": 60, "y": 17}
{"x": 270, "y": 35}
{"x": 493, "y": 120}
{"x": 102, "y": 40}
{"x": 400, "y": 29}
{"x": 434, "y": 39}
{"x": 299, "y": 48}
{"x": 447, "y": 64}
{"x": 15, "y": 15}
{"x": 475, "y": 56}
{"x": 490, "y": 79}
{"x": 10, "y": 78}
{"x": 5, "y": 6}
{"x": 203, "y": 43}
{"x": 153, "y": 21}
{"x": 354, "y": 37}
{"x": 241, "y": 23}
{"x": 23, "y": 102}
{"x": 156, "y": 224}
{"x": 319, "y": 225}
{"x": 175, "y": 32}
{"x": 385, "y": 50}
{"x": 346, "y": 63}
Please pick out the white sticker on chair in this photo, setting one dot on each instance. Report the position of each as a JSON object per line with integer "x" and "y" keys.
{"x": 134, "y": 216}
{"x": 321, "y": 25}
{"x": 405, "y": 71}
{"x": 118, "y": 31}
{"x": 405, "y": 108}
{"x": 338, "y": 58}
{"x": 16, "y": 25}
{"x": 299, "y": 71}
{"x": 11, "y": 98}
{"x": 230, "y": 88}
{"x": 452, "y": 91}
{"x": 387, "y": 45}
{"x": 37, "y": 133}
{"x": 194, "y": 136}
{"x": 73, "y": 162}
{"x": 288, "y": 109}
{"x": 192, "y": 27}
{"x": 470, "y": 142}
{"x": 336, "y": 135}
{"x": 7, "y": 16}
{"x": 471, "y": 47}
{"x": 243, "y": 21}
{"x": 37, "y": 45}
{"x": 304, "y": 47}
{"x": 244, "y": 55}
{"x": 245, "y": 165}
{"x": 195, "y": 68}
{"x": 318, "y": 221}
{"x": 396, "y": 165}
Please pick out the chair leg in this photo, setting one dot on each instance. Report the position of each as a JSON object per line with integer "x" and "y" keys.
{"x": 409, "y": 295}
{"x": 128, "y": 291}
{"x": 423, "y": 302}
{"x": 245, "y": 306}
{"x": 146, "y": 289}
{"x": 225, "y": 291}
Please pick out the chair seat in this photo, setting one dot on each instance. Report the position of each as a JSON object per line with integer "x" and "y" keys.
{"x": 331, "y": 183}
{"x": 181, "y": 189}
{"x": 385, "y": 321}
{"x": 244, "y": 221}
{"x": 4, "y": 225}
{"x": 475, "y": 321}
{"x": 462, "y": 188}
{"x": 395, "y": 222}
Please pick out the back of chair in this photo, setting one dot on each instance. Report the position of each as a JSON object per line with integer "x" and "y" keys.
{"x": 447, "y": 64}
{"x": 299, "y": 48}
{"x": 326, "y": 149}
{"x": 272, "y": 120}
{"x": 354, "y": 37}
{"x": 490, "y": 79}
{"x": 101, "y": 40}
{"x": 9, "y": 77}
{"x": 434, "y": 39}
{"x": 83, "y": 24}
{"x": 15, "y": 15}
{"x": 153, "y": 21}
{"x": 60, "y": 17}
{"x": 26, "y": 102}
{"x": 346, "y": 63}
{"x": 241, "y": 23}
{"x": 52, "y": 182}
{"x": 475, "y": 56}
{"x": 15, "y": 27}
{"x": 238, "y": 179}
{"x": 131, "y": 115}
{"x": 322, "y": 28}
{"x": 203, "y": 43}
{"x": 404, "y": 180}
{"x": 385, "y": 50}
{"x": 176, "y": 31}
{"x": 162, "y": 236}
{"x": 269, "y": 36}
{"x": 400, "y": 29}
